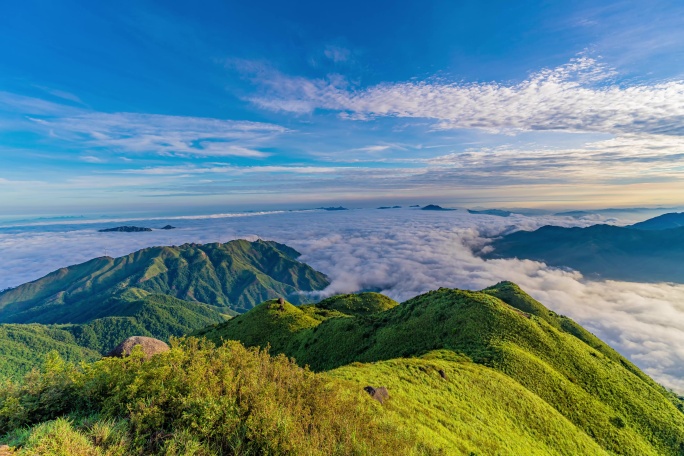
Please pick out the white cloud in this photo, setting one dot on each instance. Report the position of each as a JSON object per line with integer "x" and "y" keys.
{"x": 337, "y": 54}
{"x": 92, "y": 159}
{"x": 578, "y": 97}
{"x": 170, "y": 135}
{"x": 622, "y": 159}
{"x": 402, "y": 253}
{"x": 140, "y": 132}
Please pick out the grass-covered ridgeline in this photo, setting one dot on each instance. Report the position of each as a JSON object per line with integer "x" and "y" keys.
{"x": 158, "y": 292}
{"x": 474, "y": 410}
{"x": 358, "y": 304}
{"x": 601, "y": 393}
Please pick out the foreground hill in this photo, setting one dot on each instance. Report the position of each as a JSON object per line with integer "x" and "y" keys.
{"x": 196, "y": 400}
{"x": 232, "y": 277}
{"x": 542, "y": 382}
{"x": 468, "y": 373}
{"x": 608, "y": 252}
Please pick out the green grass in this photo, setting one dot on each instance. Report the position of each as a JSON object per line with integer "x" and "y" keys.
{"x": 358, "y": 304}
{"x": 24, "y": 347}
{"x": 593, "y": 387}
{"x": 475, "y": 410}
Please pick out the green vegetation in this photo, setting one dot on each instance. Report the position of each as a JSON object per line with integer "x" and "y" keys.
{"x": 232, "y": 277}
{"x": 502, "y": 329}
{"x": 604, "y": 251}
{"x": 358, "y": 304}
{"x": 24, "y": 347}
{"x": 468, "y": 373}
{"x": 196, "y": 400}
{"x": 474, "y": 410}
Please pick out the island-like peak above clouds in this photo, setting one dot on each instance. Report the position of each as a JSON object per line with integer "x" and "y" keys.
{"x": 125, "y": 229}
{"x": 496, "y": 212}
{"x": 434, "y": 207}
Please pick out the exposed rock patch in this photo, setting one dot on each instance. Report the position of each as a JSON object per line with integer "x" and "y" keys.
{"x": 380, "y": 393}
{"x": 150, "y": 347}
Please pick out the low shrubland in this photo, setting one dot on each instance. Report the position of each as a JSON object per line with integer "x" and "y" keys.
{"x": 194, "y": 399}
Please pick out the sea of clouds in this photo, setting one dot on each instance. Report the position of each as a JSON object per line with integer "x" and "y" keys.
{"x": 400, "y": 252}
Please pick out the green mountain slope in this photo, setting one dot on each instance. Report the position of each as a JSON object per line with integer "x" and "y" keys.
{"x": 505, "y": 332}
{"x": 236, "y": 276}
{"x": 358, "y": 304}
{"x": 24, "y": 346}
{"x": 608, "y": 252}
{"x": 475, "y": 410}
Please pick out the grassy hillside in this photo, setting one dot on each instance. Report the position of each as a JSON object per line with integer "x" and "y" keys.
{"x": 196, "y": 400}
{"x": 600, "y": 393}
{"x": 24, "y": 346}
{"x": 473, "y": 411}
{"x": 604, "y": 251}
{"x": 358, "y": 304}
{"x": 468, "y": 373}
{"x": 232, "y": 276}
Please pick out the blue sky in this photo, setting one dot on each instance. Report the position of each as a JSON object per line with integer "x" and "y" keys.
{"x": 173, "y": 107}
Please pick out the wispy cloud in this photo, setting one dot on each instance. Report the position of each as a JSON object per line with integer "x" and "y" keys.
{"x": 337, "y": 53}
{"x": 580, "y": 96}
{"x": 162, "y": 134}
{"x": 92, "y": 159}
{"x": 628, "y": 158}
{"x": 141, "y": 132}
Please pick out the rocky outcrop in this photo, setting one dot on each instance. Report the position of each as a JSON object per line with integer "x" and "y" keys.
{"x": 380, "y": 393}
{"x": 150, "y": 347}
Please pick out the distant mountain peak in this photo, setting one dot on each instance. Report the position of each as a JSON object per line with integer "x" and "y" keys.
{"x": 434, "y": 207}
{"x": 662, "y": 222}
{"x": 236, "y": 275}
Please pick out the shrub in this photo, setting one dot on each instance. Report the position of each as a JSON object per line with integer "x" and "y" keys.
{"x": 197, "y": 399}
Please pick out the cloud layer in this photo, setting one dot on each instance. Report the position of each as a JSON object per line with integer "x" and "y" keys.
{"x": 401, "y": 253}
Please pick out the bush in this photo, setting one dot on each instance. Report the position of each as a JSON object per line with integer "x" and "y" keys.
{"x": 197, "y": 399}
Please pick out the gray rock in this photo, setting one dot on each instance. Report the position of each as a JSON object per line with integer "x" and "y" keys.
{"x": 150, "y": 347}
{"x": 380, "y": 393}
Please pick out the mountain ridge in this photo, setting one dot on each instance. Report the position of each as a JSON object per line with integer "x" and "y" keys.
{"x": 662, "y": 222}
{"x": 500, "y": 328}
{"x": 235, "y": 275}
{"x": 601, "y": 251}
